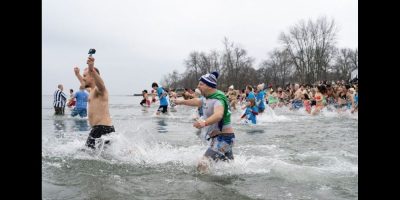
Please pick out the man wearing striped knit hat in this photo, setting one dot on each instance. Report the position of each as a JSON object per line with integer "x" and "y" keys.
{"x": 216, "y": 120}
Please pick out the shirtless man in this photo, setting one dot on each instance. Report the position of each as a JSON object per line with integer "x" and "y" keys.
{"x": 99, "y": 115}
{"x": 297, "y": 102}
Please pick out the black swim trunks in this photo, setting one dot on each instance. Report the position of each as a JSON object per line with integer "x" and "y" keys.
{"x": 96, "y": 132}
{"x": 59, "y": 110}
{"x": 162, "y": 109}
{"x": 313, "y": 102}
{"x": 143, "y": 102}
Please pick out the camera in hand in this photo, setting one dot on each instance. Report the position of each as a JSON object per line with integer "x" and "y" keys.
{"x": 92, "y": 51}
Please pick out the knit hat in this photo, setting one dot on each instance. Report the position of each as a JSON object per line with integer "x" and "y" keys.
{"x": 210, "y": 79}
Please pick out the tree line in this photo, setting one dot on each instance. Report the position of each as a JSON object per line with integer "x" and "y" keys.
{"x": 307, "y": 54}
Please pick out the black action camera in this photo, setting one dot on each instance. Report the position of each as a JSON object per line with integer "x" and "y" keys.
{"x": 92, "y": 51}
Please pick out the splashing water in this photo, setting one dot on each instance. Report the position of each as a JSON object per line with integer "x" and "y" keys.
{"x": 269, "y": 116}
{"x": 295, "y": 156}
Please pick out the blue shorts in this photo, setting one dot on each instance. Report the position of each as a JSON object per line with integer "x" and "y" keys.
{"x": 296, "y": 104}
{"x": 261, "y": 108}
{"x": 221, "y": 147}
{"x": 81, "y": 111}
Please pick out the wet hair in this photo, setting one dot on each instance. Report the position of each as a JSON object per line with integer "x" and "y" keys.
{"x": 252, "y": 102}
{"x": 322, "y": 89}
{"x": 306, "y": 97}
{"x": 145, "y": 91}
{"x": 154, "y": 85}
{"x": 347, "y": 86}
{"x": 313, "y": 102}
{"x": 249, "y": 87}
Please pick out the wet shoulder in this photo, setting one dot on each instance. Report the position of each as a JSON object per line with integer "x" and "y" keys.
{"x": 99, "y": 95}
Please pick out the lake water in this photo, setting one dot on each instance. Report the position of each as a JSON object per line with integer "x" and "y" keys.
{"x": 287, "y": 155}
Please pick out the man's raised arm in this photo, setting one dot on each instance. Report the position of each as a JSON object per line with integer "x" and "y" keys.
{"x": 78, "y": 75}
{"x": 97, "y": 79}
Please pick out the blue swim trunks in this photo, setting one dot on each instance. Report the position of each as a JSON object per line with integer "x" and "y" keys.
{"x": 296, "y": 104}
{"x": 81, "y": 111}
{"x": 221, "y": 147}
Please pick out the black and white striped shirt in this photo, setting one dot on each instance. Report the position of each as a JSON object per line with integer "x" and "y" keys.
{"x": 60, "y": 98}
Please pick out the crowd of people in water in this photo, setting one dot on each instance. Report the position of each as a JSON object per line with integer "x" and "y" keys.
{"x": 213, "y": 105}
{"x": 334, "y": 96}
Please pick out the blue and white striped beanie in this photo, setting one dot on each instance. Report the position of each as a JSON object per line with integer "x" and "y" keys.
{"x": 210, "y": 79}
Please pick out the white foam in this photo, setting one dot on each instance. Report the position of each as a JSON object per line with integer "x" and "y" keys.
{"x": 262, "y": 118}
{"x": 334, "y": 113}
{"x": 269, "y": 116}
{"x": 139, "y": 150}
{"x": 141, "y": 147}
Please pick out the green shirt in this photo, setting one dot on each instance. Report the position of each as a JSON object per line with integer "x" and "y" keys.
{"x": 219, "y": 95}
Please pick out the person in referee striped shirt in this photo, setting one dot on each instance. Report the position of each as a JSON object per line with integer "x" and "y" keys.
{"x": 60, "y": 99}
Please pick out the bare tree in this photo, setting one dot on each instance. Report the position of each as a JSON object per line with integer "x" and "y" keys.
{"x": 264, "y": 73}
{"x": 277, "y": 68}
{"x": 204, "y": 63}
{"x": 308, "y": 54}
{"x": 227, "y": 66}
{"x": 344, "y": 64}
{"x": 214, "y": 61}
{"x": 193, "y": 62}
{"x": 174, "y": 77}
{"x": 354, "y": 58}
{"x": 171, "y": 80}
{"x": 235, "y": 64}
{"x": 311, "y": 46}
{"x": 285, "y": 66}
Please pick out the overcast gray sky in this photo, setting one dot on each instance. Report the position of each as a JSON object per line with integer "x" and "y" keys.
{"x": 138, "y": 42}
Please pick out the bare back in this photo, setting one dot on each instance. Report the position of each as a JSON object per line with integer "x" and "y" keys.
{"x": 98, "y": 108}
{"x": 298, "y": 94}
